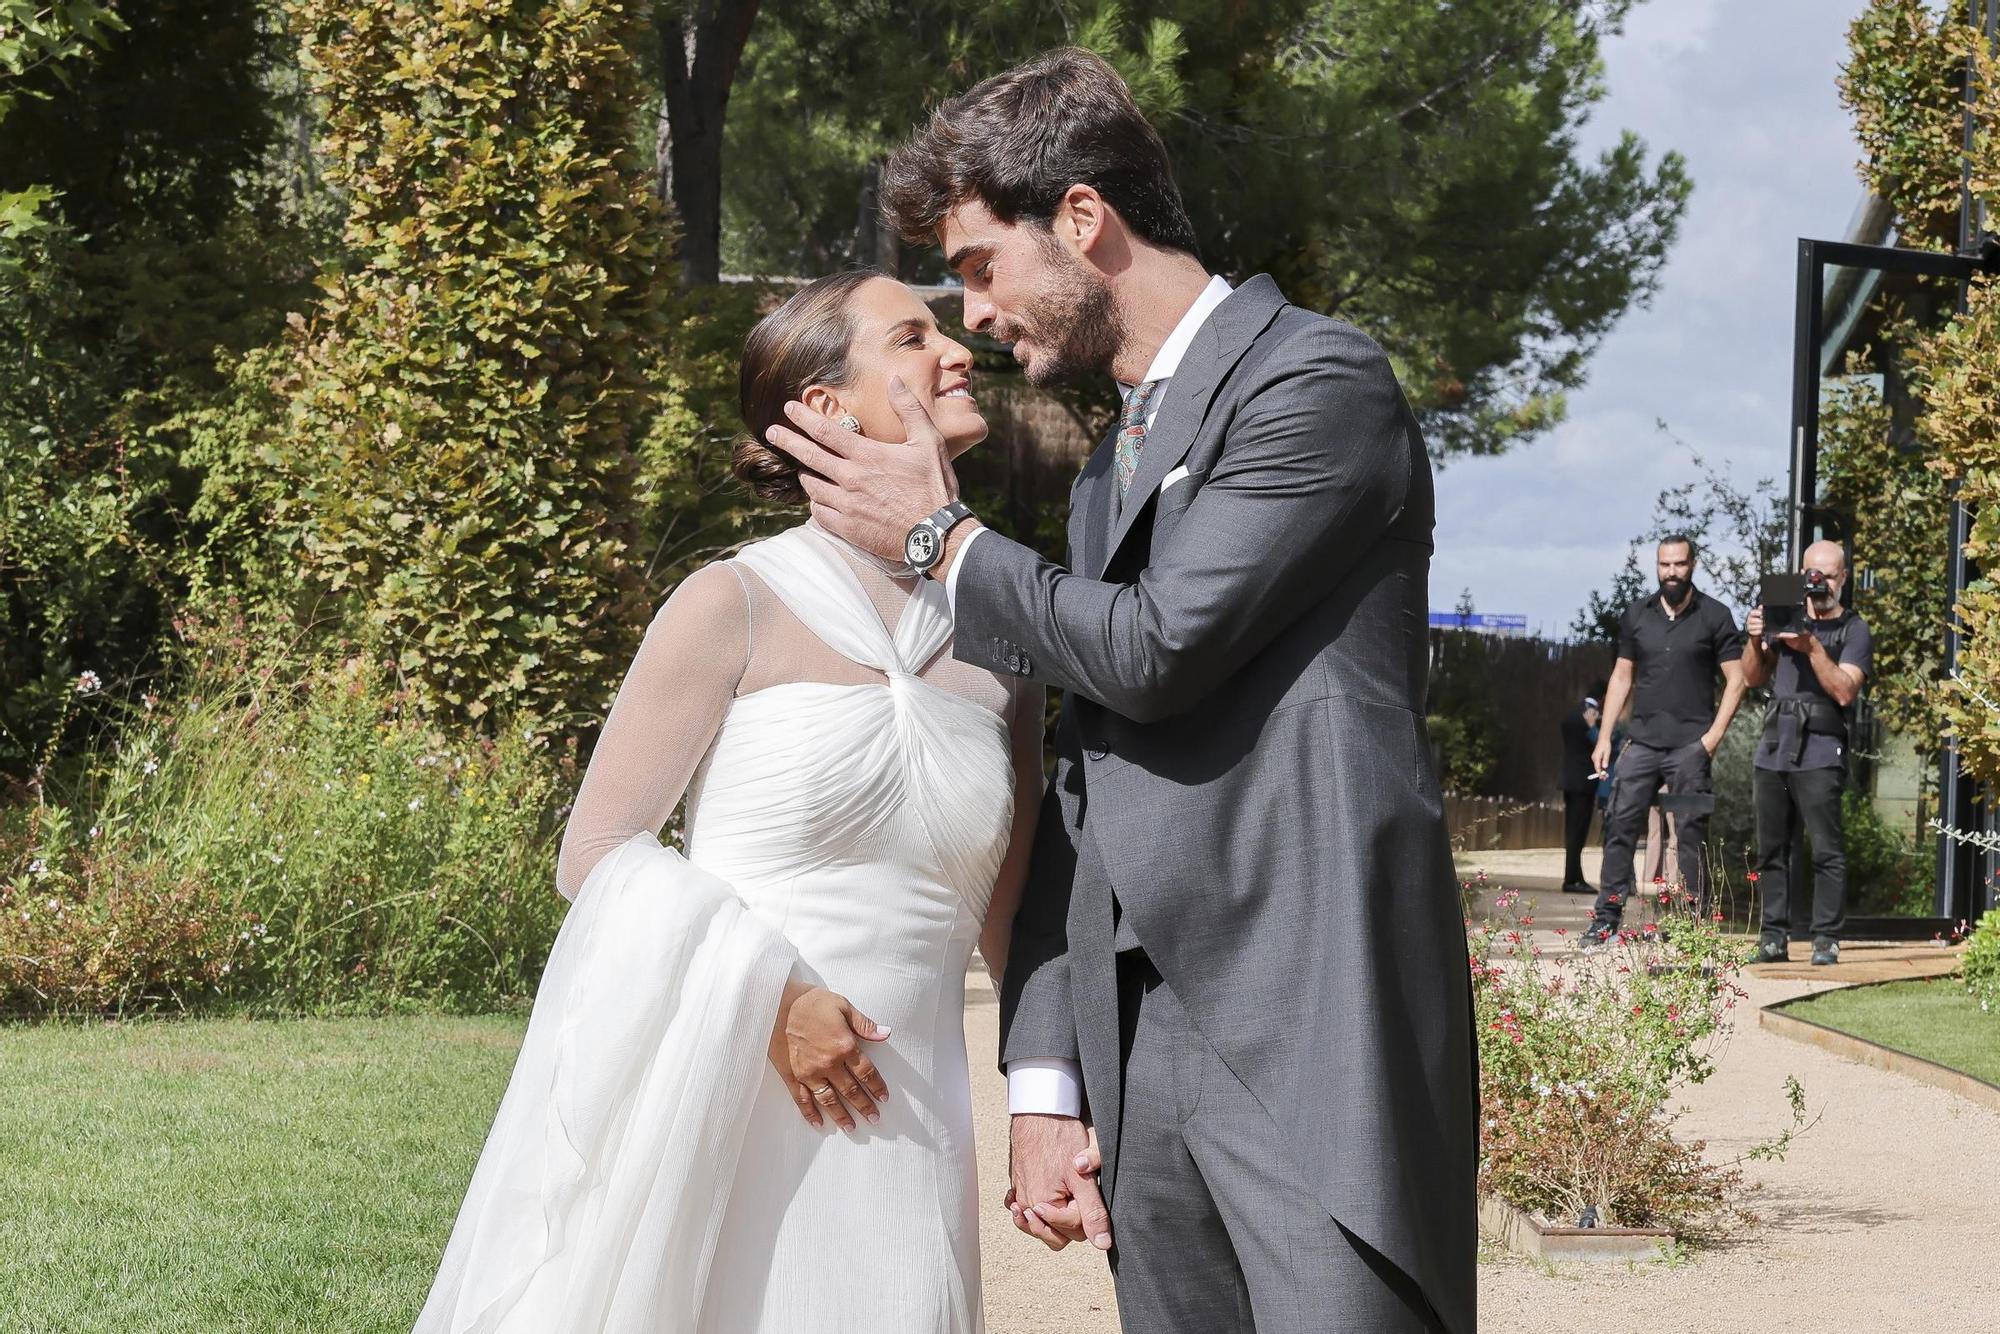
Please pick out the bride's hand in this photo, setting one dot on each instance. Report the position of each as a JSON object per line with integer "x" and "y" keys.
{"x": 816, "y": 1050}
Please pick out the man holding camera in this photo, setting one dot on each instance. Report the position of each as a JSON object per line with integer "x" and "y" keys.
{"x": 1671, "y": 645}
{"x": 1815, "y": 655}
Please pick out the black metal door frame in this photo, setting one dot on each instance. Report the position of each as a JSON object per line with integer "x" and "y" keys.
{"x": 1964, "y": 873}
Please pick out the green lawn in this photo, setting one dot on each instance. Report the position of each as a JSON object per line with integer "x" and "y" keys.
{"x": 220, "y": 1176}
{"x": 1936, "y": 1020}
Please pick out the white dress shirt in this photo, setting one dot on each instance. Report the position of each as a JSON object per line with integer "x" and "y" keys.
{"x": 1052, "y": 1085}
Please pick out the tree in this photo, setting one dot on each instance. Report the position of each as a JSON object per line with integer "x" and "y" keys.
{"x": 1905, "y": 82}
{"x": 449, "y": 469}
{"x": 135, "y": 242}
{"x": 698, "y": 45}
{"x": 1412, "y": 168}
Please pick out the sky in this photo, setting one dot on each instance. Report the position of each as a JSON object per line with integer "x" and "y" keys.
{"x": 1744, "y": 89}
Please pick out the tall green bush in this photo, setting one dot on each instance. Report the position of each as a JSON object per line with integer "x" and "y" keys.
{"x": 453, "y": 458}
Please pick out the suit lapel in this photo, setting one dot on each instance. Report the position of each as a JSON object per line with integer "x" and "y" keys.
{"x": 1217, "y": 347}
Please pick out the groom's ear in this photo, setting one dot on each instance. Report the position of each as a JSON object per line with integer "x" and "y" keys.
{"x": 1083, "y": 219}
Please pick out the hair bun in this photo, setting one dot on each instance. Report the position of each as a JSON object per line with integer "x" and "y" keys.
{"x": 771, "y": 474}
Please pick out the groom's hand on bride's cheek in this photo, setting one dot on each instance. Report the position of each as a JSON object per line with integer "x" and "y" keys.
{"x": 1055, "y": 1198}
{"x": 870, "y": 492}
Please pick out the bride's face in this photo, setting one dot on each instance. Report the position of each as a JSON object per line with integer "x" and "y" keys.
{"x": 896, "y": 335}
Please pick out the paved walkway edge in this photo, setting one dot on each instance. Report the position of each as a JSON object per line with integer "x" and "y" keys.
{"x": 1853, "y": 1048}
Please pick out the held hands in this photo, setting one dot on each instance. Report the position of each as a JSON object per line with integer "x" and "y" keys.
{"x": 870, "y": 492}
{"x": 1054, "y": 1162}
{"x": 816, "y": 1050}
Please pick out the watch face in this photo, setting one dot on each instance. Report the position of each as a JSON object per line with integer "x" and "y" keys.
{"x": 920, "y": 547}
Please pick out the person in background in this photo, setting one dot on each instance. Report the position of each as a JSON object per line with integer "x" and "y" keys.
{"x": 1815, "y": 673}
{"x": 1671, "y": 646}
{"x": 1579, "y": 789}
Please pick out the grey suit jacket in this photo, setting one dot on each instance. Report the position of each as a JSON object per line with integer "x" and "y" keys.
{"x": 1243, "y": 762}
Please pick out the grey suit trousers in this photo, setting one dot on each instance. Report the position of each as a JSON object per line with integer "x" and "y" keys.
{"x": 1215, "y": 1229}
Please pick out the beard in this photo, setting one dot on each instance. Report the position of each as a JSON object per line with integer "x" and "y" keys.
{"x": 1673, "y": 590}
{"x": 1075, "y": 325}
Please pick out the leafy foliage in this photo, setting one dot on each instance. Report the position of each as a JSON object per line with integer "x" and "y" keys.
{"x": 152, "y": 250}
{"x": 1411, "y": 168}
{"x": 1982, "y": 962}
{"x": 1579, "y": 1055}
{"x": 1897, "y": 512}
{"x": 453, "y": 464}
{"x": 291, "y": 836}
{"x": 1905, "y": 83}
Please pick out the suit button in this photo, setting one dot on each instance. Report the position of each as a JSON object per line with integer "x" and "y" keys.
{"x": 1096, "y": 753}
{"x": 1013, "y": 661}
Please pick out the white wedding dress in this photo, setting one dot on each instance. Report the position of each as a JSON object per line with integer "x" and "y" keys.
{"x": 851, "y": 802}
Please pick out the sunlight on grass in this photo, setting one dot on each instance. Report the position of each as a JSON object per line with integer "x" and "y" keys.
{"x": 1935, "y": 1019}
{"x": 197, "y": 1178}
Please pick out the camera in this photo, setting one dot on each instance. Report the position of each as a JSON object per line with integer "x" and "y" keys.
{"x": 1783, "y": 597}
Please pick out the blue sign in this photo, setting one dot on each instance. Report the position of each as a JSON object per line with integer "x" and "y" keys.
{"x": 1491, "y": 622}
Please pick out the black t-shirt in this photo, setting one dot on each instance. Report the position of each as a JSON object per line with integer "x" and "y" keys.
{"x": 1793, "y": 675}
{"x": 1675, "y": 661}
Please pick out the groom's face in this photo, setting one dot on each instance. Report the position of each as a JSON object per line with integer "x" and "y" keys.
{"x": 1025, "y": 286}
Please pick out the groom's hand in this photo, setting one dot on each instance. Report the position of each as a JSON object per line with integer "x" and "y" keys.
{"x": 871, "y": 492}
{"x": 1054, "y": 1196}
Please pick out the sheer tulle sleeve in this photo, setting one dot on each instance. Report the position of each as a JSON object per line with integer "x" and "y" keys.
{"x": 666, "y": 715}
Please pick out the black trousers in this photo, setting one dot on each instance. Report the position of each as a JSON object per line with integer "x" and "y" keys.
{"x": 1690, "y": 797}
{"x": 1786, "y": 803}
{"x": 1577, "y": 807}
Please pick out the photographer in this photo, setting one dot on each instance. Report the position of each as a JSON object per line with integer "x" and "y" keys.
{"x": 1671, "y": 647}
{"x": 1815, "y": 664}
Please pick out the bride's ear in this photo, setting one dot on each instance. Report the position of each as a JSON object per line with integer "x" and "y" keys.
{"x": 822, "y": 400}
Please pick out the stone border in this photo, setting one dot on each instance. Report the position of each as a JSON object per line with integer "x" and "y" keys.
{"x": 1521, "y": 1234}
{"x": 1842, "y": 1043}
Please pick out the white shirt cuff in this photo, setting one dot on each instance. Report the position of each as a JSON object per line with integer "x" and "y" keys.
{"x": 1044, "y": 1086}
{"x": 951, "y": 580}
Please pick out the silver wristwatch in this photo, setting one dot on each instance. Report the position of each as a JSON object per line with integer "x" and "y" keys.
{"x": 923, "y": 548}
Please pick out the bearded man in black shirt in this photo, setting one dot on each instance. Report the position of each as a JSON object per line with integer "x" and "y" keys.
{"x": 1671, "y": 646}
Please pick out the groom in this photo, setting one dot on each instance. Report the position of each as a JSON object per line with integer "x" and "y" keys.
{"x": 1241, "y": 925}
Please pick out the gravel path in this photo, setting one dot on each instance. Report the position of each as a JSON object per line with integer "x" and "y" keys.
{"x": 1884, "y": 1218}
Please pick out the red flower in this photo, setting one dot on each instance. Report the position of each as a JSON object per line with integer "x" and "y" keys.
{"x": 1752, "y": 877}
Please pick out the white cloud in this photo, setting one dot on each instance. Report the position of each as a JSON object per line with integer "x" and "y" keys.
{"x": 1746, "y": 92}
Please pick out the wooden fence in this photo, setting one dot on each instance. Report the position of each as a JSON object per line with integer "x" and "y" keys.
{"x": 1502, "y": 824}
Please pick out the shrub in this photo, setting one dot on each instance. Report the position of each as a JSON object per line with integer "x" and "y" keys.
{"x": 1982, "y": 962}
{"x": 1578, "y": 1056}
{"x": 1888, "y": 872}
{"x": 452, "y": 470}
{"x": 359, "y": 857}
{"x": 93, "y": 930}
{"x": 1556, "y": 1155}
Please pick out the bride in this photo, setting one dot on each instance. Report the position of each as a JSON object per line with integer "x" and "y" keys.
{"x": 742, "y": 1103}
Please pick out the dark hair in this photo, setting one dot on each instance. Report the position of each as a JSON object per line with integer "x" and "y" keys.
{"x": 1680, "y": 540}
{"x": 1018, "y": 141}
{"x": 803, "y": 342}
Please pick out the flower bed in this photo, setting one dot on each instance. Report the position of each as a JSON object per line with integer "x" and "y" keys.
{"x": 1579, "y": 1056}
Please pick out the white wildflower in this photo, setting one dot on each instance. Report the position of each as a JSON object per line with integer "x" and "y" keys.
{"x": 152, "y": 767}
{"x": 89, "y": 683}
{"x": 416, "y": 803}
{"x": 38, "y": 867}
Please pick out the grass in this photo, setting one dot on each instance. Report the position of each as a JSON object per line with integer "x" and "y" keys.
{"x": 225, "y": 1176}
{"x": 1934, "y": 1019}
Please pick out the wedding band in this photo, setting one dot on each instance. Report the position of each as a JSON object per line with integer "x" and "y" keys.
{"x": 824, "y": 1093}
